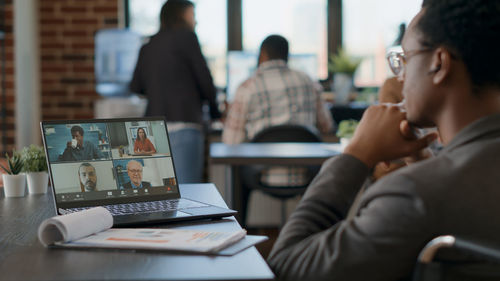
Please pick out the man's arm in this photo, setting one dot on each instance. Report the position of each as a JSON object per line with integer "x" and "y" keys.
{"x": 198, "y": 64}
{"x": 66, "y": 155}
{"x": 95, "y": 152}
{"x": 234, "y": 126}
{"x": 380, "y": 243}
{"x": 136, "y": 84}
{"x": 324, "y": 119}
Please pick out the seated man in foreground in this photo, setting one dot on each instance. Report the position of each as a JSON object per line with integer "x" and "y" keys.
{"x": 452, "y": 81}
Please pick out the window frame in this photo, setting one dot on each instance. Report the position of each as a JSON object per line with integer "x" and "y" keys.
{"x": 235, "y": 21}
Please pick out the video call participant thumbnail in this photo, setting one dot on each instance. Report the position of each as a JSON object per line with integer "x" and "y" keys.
{"x": 79, "y": 150}
{"x": 142, "y": 144}
{"x": 134, "y": 171}
{"x": 88, "y": 177}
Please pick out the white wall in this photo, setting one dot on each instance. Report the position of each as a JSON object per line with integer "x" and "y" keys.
{"x": 156, "y": 169}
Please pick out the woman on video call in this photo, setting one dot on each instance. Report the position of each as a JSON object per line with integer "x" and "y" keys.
{"x": 173, "y": 74}
{"x": 142, "y": 144}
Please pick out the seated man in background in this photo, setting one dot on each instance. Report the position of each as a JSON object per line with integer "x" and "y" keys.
{"x": 77, "y": 149}
{"x": 275, "y": 95}
{"x": 451, "y": 80}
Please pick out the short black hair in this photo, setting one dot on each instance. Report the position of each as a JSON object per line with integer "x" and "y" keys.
{"x": 276, "y": 47}
{"x": 469, "y": 29}
{"x": 172, "y": 14}
{"x": 78, "y": 129}
{"x": 85, "y": 164}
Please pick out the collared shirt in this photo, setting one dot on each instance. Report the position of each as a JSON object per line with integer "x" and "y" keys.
{"x": 276, "y": 95}
{"x": 135, "y": 186}
{"x": 88, "y": 152}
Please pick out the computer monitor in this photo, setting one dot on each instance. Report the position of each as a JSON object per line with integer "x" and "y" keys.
{"x": 241, "y": 65}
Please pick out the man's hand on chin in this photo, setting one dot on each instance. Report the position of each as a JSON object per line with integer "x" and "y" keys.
{"x": 384, "y": 135}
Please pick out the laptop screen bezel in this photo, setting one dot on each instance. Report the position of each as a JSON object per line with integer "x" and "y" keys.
{"x": 109, "y": 201}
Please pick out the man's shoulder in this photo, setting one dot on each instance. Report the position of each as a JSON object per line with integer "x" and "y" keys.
{"x": 427, "y": 178}
{"x": 146, "y": 184}
{"x": 127, "y": 185}
{"x": 89, "y": 144}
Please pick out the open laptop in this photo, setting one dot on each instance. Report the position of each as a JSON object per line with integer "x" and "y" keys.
{"x": 124, "y": 165}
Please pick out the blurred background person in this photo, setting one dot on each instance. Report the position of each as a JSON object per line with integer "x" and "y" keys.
{"x": 276, "y": 95}
{"x": 173, "y": 74}
{"x": 142, "y": 144}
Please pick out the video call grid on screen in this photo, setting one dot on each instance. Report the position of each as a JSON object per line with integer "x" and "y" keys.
{"x": 107, "y": 160}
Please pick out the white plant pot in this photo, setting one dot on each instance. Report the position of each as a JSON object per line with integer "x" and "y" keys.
{"x": 37, "y": 182}
{"x": 14, "y": 185}
{"x": 342, "y": 86}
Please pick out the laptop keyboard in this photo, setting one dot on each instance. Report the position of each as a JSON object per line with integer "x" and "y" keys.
{"x": 146, "y": 207}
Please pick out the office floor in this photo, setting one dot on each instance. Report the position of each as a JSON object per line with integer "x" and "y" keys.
{"x": 265, "y": 247}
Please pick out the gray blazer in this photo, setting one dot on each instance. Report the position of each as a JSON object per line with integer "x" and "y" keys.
{"x": 456, "y": 192}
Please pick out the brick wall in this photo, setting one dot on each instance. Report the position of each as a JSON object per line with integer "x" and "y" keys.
{"x": 9, "y": 80}
{"x": 67, "y": 29}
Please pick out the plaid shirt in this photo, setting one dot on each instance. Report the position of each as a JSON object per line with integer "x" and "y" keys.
{"x": 276, "y": 95}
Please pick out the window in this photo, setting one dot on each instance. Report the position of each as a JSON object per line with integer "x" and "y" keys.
{"x": 369, "y": 28}
{"x": 301, "y": 22}
{"x": 211, "y": 29}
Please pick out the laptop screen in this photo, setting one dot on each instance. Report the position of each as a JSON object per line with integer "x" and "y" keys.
{"x": 96, "y": 162}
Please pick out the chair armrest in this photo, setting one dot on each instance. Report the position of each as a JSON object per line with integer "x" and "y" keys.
{"x": 447, "y": 241}
{"x": 428, "y": 253}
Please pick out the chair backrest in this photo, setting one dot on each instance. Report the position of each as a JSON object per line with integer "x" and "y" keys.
{"x": 250, "y": 175}
{"x": 288, "y": 133}
{"x": 280, "y": 133}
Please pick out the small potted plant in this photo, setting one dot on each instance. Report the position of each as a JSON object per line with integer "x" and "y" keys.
{"x": 14, "y": 183}
{"x": 35, "y": 166}
{"x": 346, "y": 131}
{"x": 343, "y": 66}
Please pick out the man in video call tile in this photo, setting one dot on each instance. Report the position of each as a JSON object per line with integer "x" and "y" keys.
{"x": 77, "y": 149}
{"x": 134, "y": 170}
{"x": 88, "y": 177}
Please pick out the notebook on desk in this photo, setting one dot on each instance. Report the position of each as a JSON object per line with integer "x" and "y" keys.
{"x": 93, "y": 163}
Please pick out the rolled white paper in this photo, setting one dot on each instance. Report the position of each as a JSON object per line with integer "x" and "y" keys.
{"x": 74, "y": 226}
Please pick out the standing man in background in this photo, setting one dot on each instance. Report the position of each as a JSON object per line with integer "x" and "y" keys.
{"x": 173, "y": 74}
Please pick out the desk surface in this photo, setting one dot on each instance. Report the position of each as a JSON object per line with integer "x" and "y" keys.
{"x": 273, "y": 153}
{"x": 22, "y": 257}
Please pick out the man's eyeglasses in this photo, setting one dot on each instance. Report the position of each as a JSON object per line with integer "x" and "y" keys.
{"x": 135, "y": 171}
{"x": 398, "y": 60}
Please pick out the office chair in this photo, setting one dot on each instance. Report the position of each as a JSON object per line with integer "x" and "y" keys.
{"x": 251, "y": 175}
{"x": 463, "y": 260}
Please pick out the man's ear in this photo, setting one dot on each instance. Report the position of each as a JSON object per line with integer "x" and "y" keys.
{"x": 440, "y": 65}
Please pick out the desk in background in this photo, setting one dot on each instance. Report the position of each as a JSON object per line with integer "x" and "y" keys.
{"x": 233, "y": 156}
{"x": 22, "y": 257}
{"x": 346, "y": 112}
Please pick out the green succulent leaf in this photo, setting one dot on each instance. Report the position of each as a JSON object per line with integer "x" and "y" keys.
{"x": 34, "y": 159}
{"x": 15, "y": 163}
{"x": 342, "y": 62}
{"x": 346, "y": 128}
